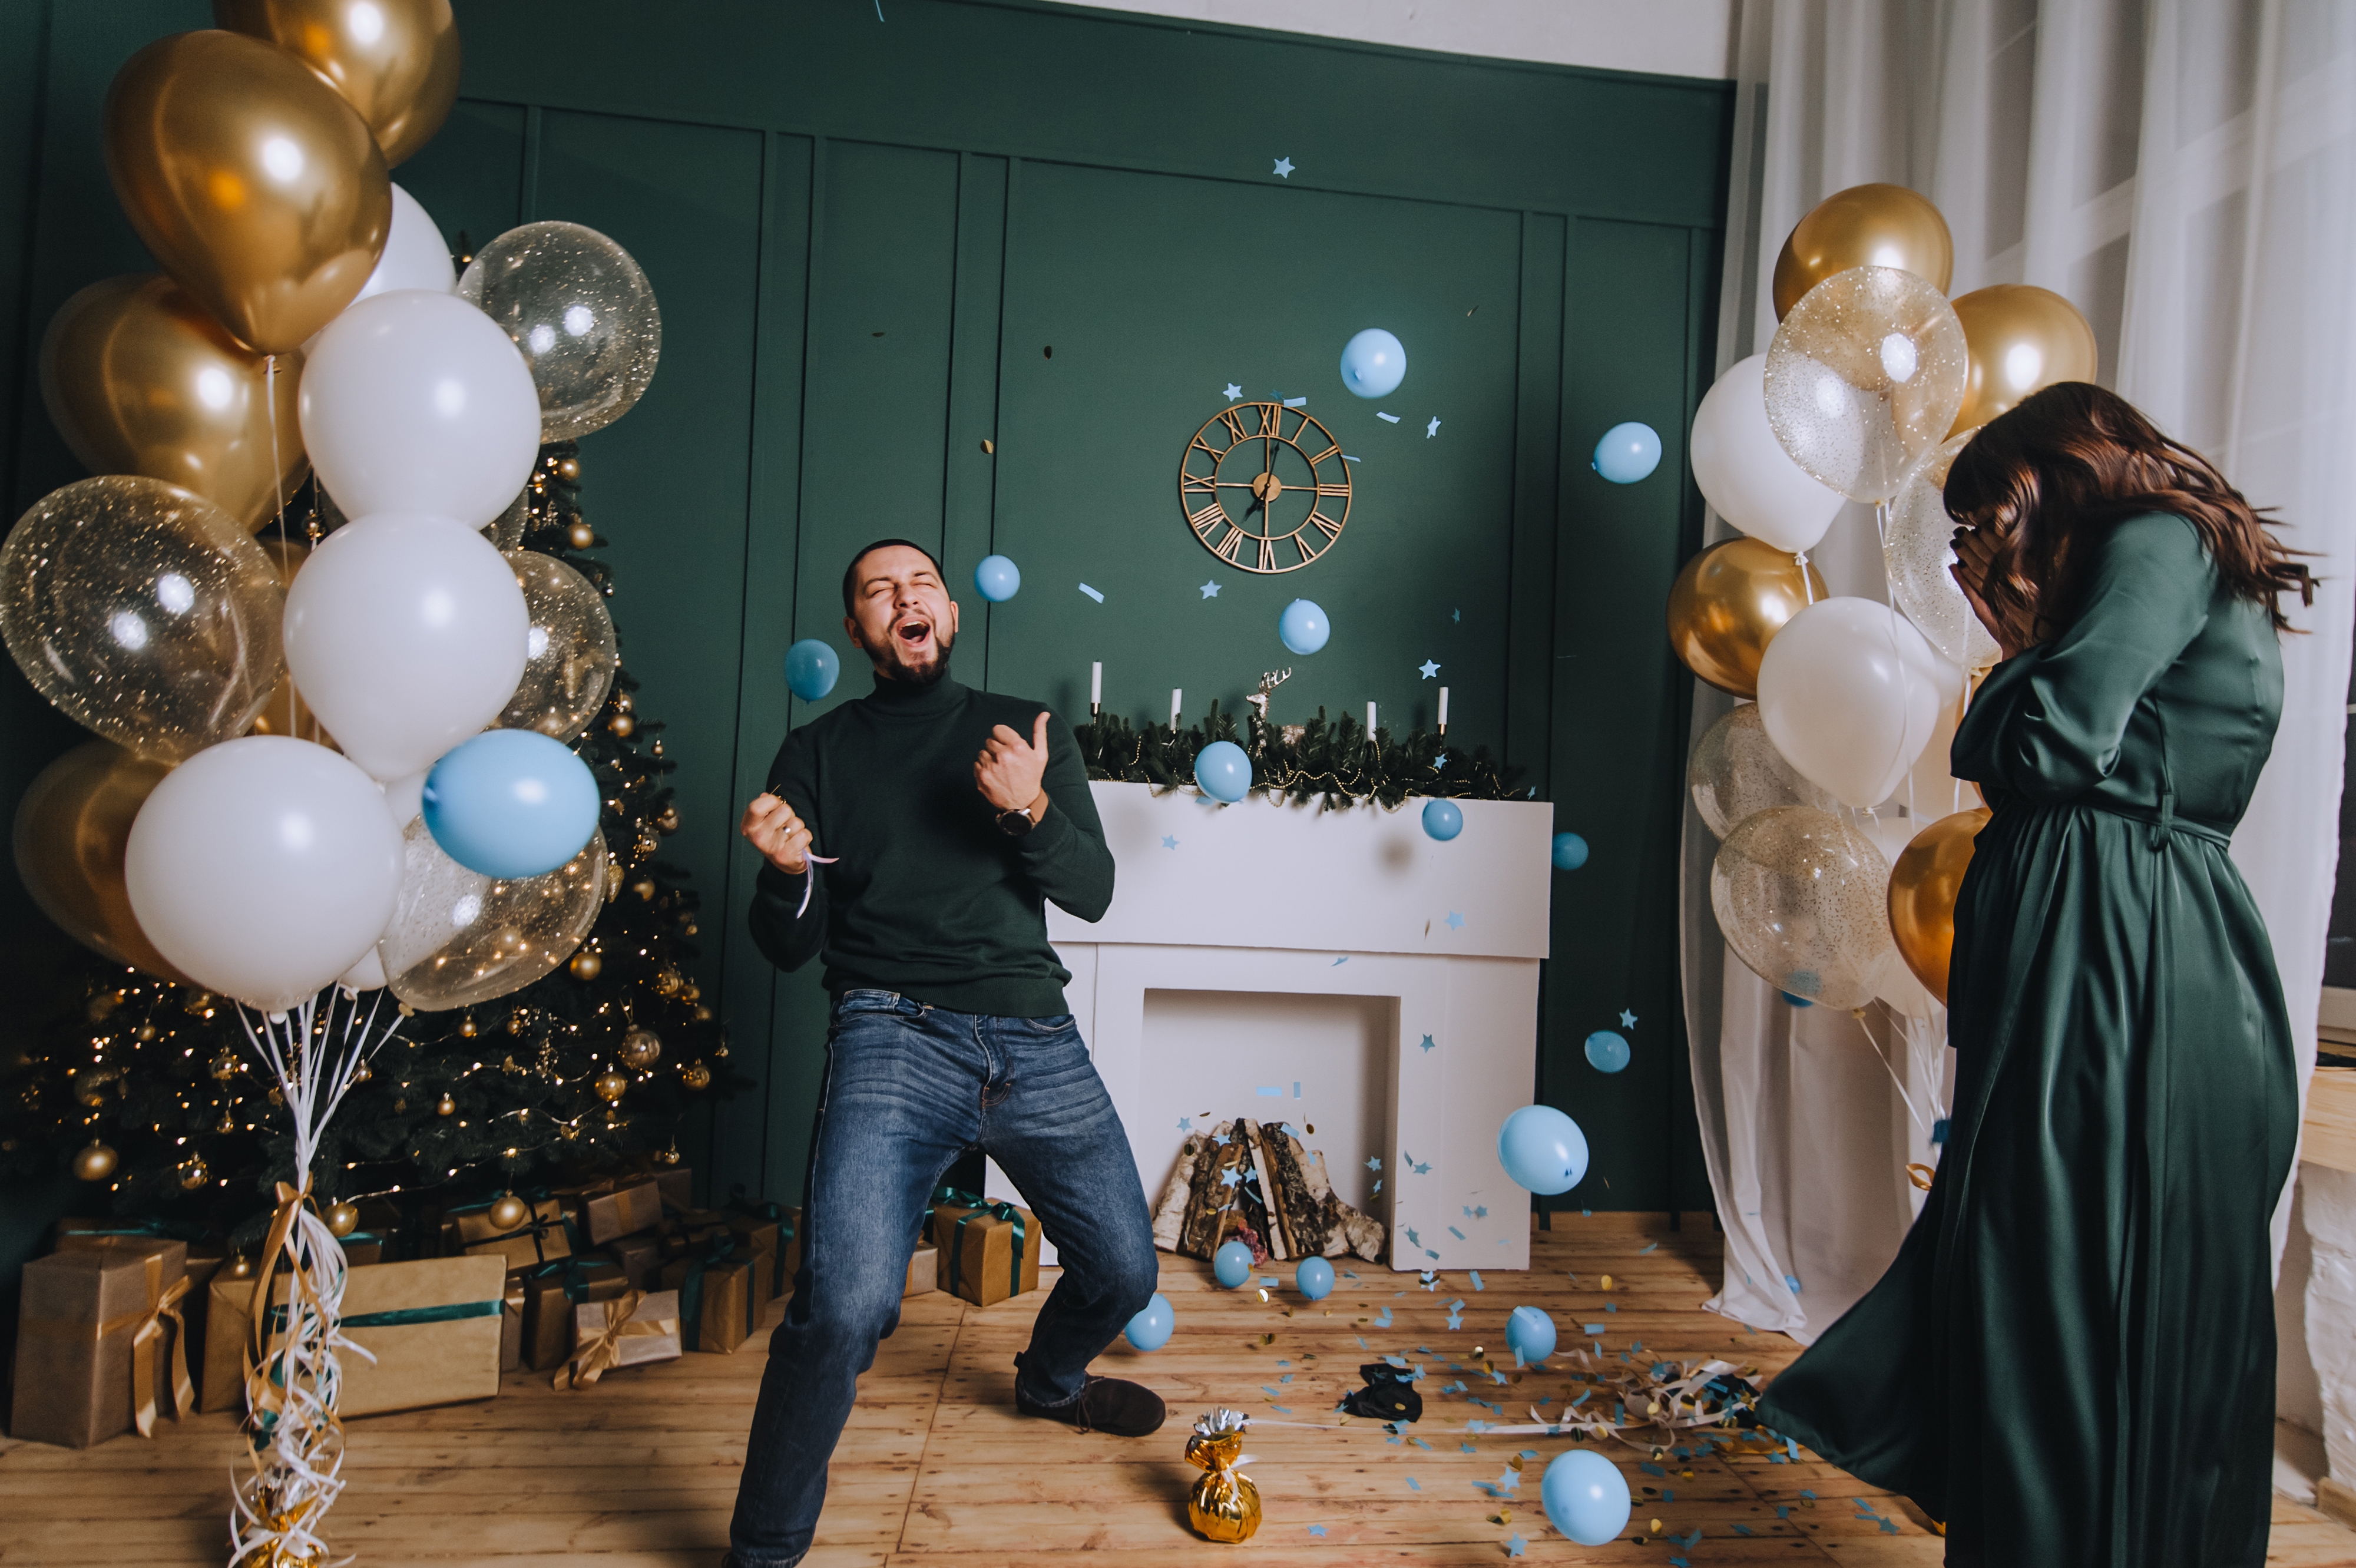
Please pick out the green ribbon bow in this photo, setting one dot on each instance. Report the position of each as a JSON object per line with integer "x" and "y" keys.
{"x": 574, "y": 1273}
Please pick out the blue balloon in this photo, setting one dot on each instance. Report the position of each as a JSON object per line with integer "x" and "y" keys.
{"x": 1586, "y": 1497}
{"x": 1150, "y": 1329}
{"x": 811, "y": 669}
{"x": 1444, "y": 820}
{"x": 997, "y": 578}
{"x": 1529, "y": 1333}
{"x": 1542, "y": 1149}
{"x": 1607, "y": 1050}
{"x": 1303, "y": 627}
{"x": 1224, "y": 771}
{"x": 1232, "y": 1264}
{"x": 1314, "y": 1278}
{"x": 1373, "y": 364}
{"x": 511, "y": 803}
{"x": 1628, "y": 453}
{"x": 1569, "y": 852}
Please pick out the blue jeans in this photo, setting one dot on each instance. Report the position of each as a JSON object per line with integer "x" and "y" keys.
{"x": 909, "y": 1089}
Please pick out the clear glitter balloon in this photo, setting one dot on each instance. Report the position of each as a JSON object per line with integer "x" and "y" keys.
{"x": 459, "y": 937}
{"x": 1865, "y": 376}
{"x": 1801, "y": 897}
{"x": 582, "y": 314}
{"x": 143, "y": 611}
{"x": 571, "y": 654}
{"x": 1736, "y": 772}
{"x": 1917, "y": 552}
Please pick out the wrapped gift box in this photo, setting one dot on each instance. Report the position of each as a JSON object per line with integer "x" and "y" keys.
{"x": 433, "y": 1327}
{"x": 691, "y": 1230}
{"x": 628, "y": 1331}
{"x": 543, "y": 1237}
{"x": 96, "y": 1334}
{"x": 773, "y": 1231}
{"x": 204, "y": 1260}
{"x": 550, "y": 1293}
{"x": 640, "y": 1258}
{"x": 924, "y": 1270}
{"x": 677, "y": 1184}
{"x": 988, "y": 1251}
{"x": 716, "y": 1296}
{"x": 603, "y": 1211}
{"x": 511, "y": 1326}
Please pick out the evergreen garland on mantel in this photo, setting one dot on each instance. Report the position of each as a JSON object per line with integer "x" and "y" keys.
{"x": 1329, "y": 760}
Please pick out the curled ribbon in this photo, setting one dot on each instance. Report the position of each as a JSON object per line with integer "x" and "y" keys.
{"x": 810, "y": 863}
{"x": 602, "y": 1351}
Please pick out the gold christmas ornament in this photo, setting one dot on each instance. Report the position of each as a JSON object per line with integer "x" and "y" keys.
{"x": 193, "y": 1174}
{"x": 666, "y": 980}
{"x": 703, "y": 1016}
{"x": 1224, "y": 1504}
{"x": 640, "y": 1048}
{"x": 240, "y": 1267}
{"x": 586, "y": 965}
{"x": 445, "y": 1106}
{"x": 516, "y": 1022}
{"x": 569, "y": 1133}
{"x": 644, "y": 887}
{"x": 611, "y": 1086}
{"x": 622, "y": 703}
{"x": 224, "y": 1066}
{"x": 622, "y": 724}
{"x": 569, "y": 467}
{"x": 667, "y": 1156}
{"x": 94, "y": 1163}
{"x": 668, "y": 822}
{"x": 362, "y": 1072}
{"x": 342, "y": 1219}
{"x": 695, "y": 1075}
{"x": 580, "y": 536}
{"x": 508, "y": 1212}
{"x": 689, "y": 992}
{"x": 466, "y": 1026}
{"x": 145, "y": 1033}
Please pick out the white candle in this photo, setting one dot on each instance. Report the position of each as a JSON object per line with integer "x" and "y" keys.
{"x": 1370, "y": 721}
{"x": 1443, "y": 708}
{"x": 1176, "y": 697}
{"x": 1096, "y": 685}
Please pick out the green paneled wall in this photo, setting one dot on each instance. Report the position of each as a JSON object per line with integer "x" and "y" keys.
{"x": 880, "y": 245}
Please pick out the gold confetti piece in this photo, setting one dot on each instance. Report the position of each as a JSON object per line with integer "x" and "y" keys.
{"x": 1263, "y": 1293}
{"x": 1607, "y": 1282}
{"x": 1515, "y": 1463}
{"x": 1268, "y": 1338}
{"x": 1656, "y": 1526}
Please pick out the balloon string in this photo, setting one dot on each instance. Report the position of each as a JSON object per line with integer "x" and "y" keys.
{"x": 277, "y": 487}
{"x": 1882, "y": 1057}
{"x": 1807, "y": 587}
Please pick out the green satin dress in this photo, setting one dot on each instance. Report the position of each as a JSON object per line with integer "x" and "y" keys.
{"x": 2071, "y": 1361}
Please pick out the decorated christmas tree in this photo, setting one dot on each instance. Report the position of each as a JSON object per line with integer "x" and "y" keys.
{"x": 147, "y": 1086}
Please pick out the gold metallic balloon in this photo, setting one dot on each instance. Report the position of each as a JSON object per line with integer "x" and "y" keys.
{"x": 1864, "y": 226}
{"x": 285, "y": 712}
{"x": 459, "y": 937}
{"x": 258, "y": 190}
{"x": 1224, "y": 1504}
{"x": 395, "y": 61}
{"x": 1923, "y": 888}
{"x": 140, "y": 381}
{"x": 1735, "y": 771}
{"x": 1729, "y": 602}
{"x": 1864, "y": 377}
{"x": 147, "y": 613}
{"x": 1798, "y": 894}
{"x": 571, "y": 654}
{"x": 71, "y": 826}
{"x": 2021, "y": 338}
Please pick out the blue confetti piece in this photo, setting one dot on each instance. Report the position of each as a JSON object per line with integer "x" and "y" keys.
{"x": 1339, "y": 961}
{"x": 1395, "y": 1440}
{"x": 1319, "y": 1530}
{"x": 1455, "y": 1232}
{"x": 1289, "y": 1380}
{"x": 1651, "y": 1469}
{"x": 1587, "y": 1214}
{"x": 1476, "y": 1425}
{"x": 1268, "y": 1279}
{"x": 1413, "y": 1485}
{"x": 1807, "y": 1494}
{"x": 1362, "y": 1342}
{"x": 1783, "y": 1510}
{"x": 1679, "y": 1562}
{"x": 1268, "y": 1092}
{"x": 1385, "y": 1321}
{"x": 1742, "y": 1529}
{"x": 1400, "y": 1361}
{"x": 1939, "y": 1130}
{"x": 1467, "y": 1447}
{"x": 1091, "y": 592}
{"x": 1419, "y": 1443}
{"x": 1286, "y": 1377}
{"x": 1281, "y": 1408}
{"x": 1591, "y": 1328}
{"x": 1793, "y": 1281}
{"x": 1611, "y": 1307}
{"x": 1269, "y": 1391}
{"x": 1646, "y": 1248}
{"x": 1888, "y": 1528}
{"x": 1455, "y": 1320}
{"x": 1476, "y": 1280}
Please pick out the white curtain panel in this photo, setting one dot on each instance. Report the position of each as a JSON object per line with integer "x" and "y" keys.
{"x": 2185, "y": 172}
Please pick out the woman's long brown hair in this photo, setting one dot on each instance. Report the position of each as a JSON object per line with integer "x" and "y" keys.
{"x": 2073, "y": 459}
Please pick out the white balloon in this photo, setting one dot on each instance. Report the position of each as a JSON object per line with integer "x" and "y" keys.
{"x": 264, "y": 867}
{"x": 1850, "y": 694}
{"x": 405, "y": 797}
{"x": 1743, "y": 470}
{"x": 415, "y": 256}
{"x": 366, "y": 975}
{"x": 407, "y": 635}
{"x": 416, "y": 401}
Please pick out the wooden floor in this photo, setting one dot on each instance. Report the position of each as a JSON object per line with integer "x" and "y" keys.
{"x": 641, "y": 1470}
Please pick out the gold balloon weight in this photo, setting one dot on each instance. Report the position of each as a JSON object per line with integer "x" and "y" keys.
{"x": 1224, "y": 1504}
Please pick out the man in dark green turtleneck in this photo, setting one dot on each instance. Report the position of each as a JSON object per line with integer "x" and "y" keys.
{"x": 943, "y": 819}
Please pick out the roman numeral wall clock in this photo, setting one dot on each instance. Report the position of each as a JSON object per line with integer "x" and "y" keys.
{"x": 1264, "y": 487}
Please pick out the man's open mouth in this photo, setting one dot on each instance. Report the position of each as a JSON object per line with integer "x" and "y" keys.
{"x": 913, "y": 633}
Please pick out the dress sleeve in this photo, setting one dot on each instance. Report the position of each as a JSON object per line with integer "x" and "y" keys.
{"x": 786, "y": 938}
{"x": 2047, "y": 723}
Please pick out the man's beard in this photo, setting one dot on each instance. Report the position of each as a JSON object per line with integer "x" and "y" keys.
{"x": 896, "y": 668}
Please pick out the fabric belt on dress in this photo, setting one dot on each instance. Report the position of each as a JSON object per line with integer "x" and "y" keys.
{"x": 2163, "y": 823}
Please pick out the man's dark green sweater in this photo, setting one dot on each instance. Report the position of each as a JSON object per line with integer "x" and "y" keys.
{"x": 928, "y": 896}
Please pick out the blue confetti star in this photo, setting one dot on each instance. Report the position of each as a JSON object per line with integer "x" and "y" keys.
{"x": 1210, "y": 590}
{"x": 1515, "y": 1546}
{"x": 1413, "y": 1241}
{"x": 1439, "y": 762}
{"x": 1455, "y": 921}
{"x": 1220, "y": 1139}
{"x": 1455, "y": 1320}
{"x": 1169, "y": 843}
{"x": 1379, "y": 1186}
{"x": 1627, "y": 1019}
{"x": 1319, "y": 1530}
{"x": 1339, "y": 961}
{"x": 1481, "y": 1212}
{"x": 1423, "y": 1169}
{"x": 1428, "y": 669}
{"x": 1185, "y": 1123}
{"x": 1234, "y": 392}
{"x": 1373, "y": 1162}
{"x": 1432, "y": 429}
{"x": 1284, "y": 169}
{"x": 1426, "y": 1043}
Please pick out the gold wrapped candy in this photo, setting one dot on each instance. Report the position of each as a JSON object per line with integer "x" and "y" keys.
{"x": 1224, "y": 1504}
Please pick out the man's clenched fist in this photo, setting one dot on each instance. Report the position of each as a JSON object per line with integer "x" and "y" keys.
{"x": 783, "y": 839}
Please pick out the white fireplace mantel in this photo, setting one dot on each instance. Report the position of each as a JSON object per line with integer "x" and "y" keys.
{"x": 1342, "y": 965}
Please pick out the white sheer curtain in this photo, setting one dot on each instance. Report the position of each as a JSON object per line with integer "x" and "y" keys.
{"x": 2185, "y": 172}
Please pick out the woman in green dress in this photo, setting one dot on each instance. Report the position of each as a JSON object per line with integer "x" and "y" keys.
{"x": 2071, "y": 1361}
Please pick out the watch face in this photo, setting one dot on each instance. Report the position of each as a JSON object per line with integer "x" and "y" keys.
{"x": 1265, "y": 488}
{"x": 1015, "y": 823}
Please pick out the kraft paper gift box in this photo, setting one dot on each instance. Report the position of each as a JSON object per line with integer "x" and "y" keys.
{"x": 772, "y": 1229}
{"x": 603, "y": 1211}
{"x": 99, "y": 1346}
{"x": 640, "y": 1258}
{"x": 433, "y": 1327}
{"x": 543, "y": 1237}
{"x": 511, "y": 1326}
{"x": 636, "y": 1326}
{"x": 987, "y": 1251}
{"x": 924, "y": 1270}
{"x": 691, "y": 1230}
{"x": 204, "y": 1260}
{"x": 550, "y": 1293}
{"x": 677, "y": 1184}
{"x": 715, "y": 1301}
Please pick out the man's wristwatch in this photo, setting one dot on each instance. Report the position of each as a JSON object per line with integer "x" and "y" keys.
{"x": 1016, "y": 822}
